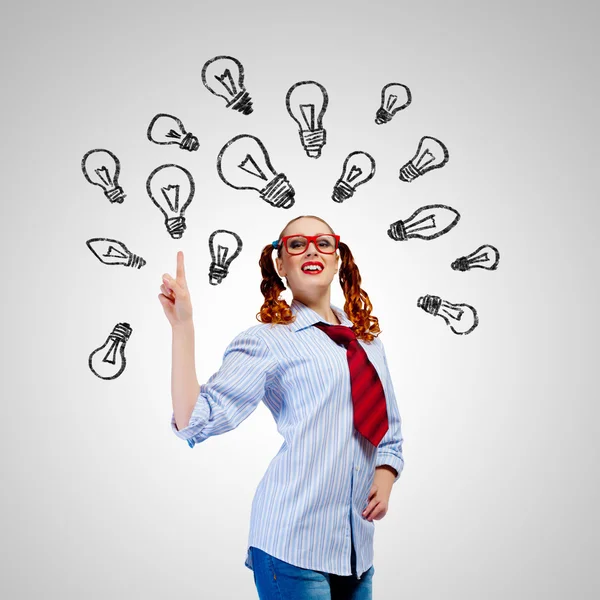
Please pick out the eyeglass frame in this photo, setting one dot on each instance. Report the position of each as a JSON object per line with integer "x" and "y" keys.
{"x": 309, "y": 239}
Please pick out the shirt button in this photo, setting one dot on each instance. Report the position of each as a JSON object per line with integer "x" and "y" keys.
{"x": 358, "y": 468}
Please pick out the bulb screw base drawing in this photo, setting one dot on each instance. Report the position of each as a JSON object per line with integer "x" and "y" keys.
{"x": 342, "y": 191}
{"x": 242, "y": 103}
{"x": 176, "y": 226}
{"x": 135, "y": 261}
{"x": 460, "y": 264}
{"x": 409, "y": 172}
{"x": 313, "y": 141}
{"x": 115, "y": 195}
{"x": 217, "y": 273}
{"x": 121, "y": 332}
{"x": 278, "y": 192}
{"x": 397, "y": 231}
{"x": 429, "y": 304}
{"x": 190, "y": 142}
{"x": 383, "y": 116}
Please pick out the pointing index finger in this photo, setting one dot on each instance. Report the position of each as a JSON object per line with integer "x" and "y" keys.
{"x": 180, "y": 267}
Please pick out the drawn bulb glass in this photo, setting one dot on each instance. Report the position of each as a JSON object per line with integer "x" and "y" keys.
{"x": 306, "y": 102}
{"x": 431, "y": 154}
{"x": 108, "y": 361}
{"x": 167, "y": 129}
{"x": 485, "y": 257}
{"x": 223, "y": 76}
{"x": 359, "y": 167}
{"x": 426, "y": 223}
{"x": 461, "y": 318}
{"x": 101, "y": 167}
{"x": 244, "y": 164}
{"x": 113, "y": 252}
{"x": 171, "y": 188}
{"x": 394, "y": 97}
{"x": 224, "y": 246}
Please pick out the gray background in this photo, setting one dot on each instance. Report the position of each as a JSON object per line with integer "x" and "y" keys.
{"x": 499, "y": 495}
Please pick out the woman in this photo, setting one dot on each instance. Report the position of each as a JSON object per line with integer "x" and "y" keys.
{"x": 311, "y": 529}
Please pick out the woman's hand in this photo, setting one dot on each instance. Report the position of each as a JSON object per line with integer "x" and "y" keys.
{"x": 175, "y": 296}
{"x": 379, "y": 495}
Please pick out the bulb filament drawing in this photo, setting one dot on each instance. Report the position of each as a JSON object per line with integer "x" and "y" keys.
{"x": 108, "y": 361}
{"x": 485, "y": 257}
{"x": 431, "y": 154}
{"x": 306, "y": 102}
{"x": 359, "y": 167}
{"x": 426, "y": 223}
{"x": 224, "y": 246}
{"x": 394, "y": 97}
{"x": 113, "y": 252}
{"x": 167, "y": 129}
{"x": 223, "y": 76}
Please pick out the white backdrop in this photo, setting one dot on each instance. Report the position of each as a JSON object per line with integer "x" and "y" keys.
{"x": 499, "y": 494}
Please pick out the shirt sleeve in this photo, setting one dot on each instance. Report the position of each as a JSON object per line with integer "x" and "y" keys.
{"x": 233, "y": 392}
{"x": 389, "y": 451}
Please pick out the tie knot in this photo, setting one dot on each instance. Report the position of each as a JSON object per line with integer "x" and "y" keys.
{"x": 340, "y": 334}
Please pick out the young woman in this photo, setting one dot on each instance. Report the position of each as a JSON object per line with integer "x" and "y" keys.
{"x": 311, "y": 527}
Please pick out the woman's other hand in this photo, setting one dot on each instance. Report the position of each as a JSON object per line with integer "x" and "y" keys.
{"x": 175, "y": 296}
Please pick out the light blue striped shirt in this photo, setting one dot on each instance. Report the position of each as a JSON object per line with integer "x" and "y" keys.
{"x": 310, "y": 500}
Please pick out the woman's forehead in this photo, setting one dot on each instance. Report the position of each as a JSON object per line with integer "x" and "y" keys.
{"x": 306, "y": 226}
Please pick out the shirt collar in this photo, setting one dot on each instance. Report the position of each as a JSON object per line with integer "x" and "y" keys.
{"x": 305, "y": 316}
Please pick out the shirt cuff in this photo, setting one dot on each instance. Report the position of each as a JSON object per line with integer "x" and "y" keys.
{"x": 198, "y": 420}
{"x": 386, "y": 458}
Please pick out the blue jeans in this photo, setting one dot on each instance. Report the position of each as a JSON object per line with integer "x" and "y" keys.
{"x": 279, "y": 580}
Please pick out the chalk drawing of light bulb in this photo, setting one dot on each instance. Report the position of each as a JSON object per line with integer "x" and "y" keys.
{"x": 394, "y": 97}
{"x": 167, "y": 129}
{"x": 223, "y": 76}
{"x": 101, "y": 167}
{"x": 171, "y": 188}
{"x": 426, "y": 223}
{"x": 108, "y": 361}
{"x": 113, "y": 252}
{"x": 358, "y": 168}
{"x": 431, "y": 154}
{"x": 485, "y": 257}
{"x": 462, "y": 318}
{"x": 244, "y": 164}
{"x": 224, "y": 247}
{"x": 306, "y": 102}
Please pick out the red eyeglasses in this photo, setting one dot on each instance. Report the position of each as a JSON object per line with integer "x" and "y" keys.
{"x": 326, "y": 243}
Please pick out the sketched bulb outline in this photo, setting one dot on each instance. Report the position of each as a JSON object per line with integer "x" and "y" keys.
{"x": 224, "y": 246}
{"x": 223, "y": 76}
{"x": 427, "y": 223}
{"x": 171, "y": 189}
{"x": 359, "y": 167}
{"x": 485, "y": 257}
{"x": 394, "y": 97}
{"x": 306, "y": 103}
{"x": 113, "y": 252}
{"x": 244, "y": 164}
{"x": 108, "y": 361}
{"x": 461, "y": 318}
{"x": 167, "y": 129}
{"x": 101, "y": 167}
{"x": 430, "y": 154}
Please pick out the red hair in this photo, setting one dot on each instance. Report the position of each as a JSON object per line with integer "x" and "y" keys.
{"x": 357, "y": 306}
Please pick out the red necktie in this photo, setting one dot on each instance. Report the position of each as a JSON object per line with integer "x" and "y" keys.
{"x": 368, "y": 397}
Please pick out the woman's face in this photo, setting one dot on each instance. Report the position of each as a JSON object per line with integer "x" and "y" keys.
{"x": 305, "y": 283}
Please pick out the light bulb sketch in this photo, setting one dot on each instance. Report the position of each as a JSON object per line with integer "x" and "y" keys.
{"x": 426, "y": 223}
{"x": 108, "y": 361}
{"x": 306, "y": 102}
{"x": 113, "y": 252}
{"x": 101, "y": 167}
{"x": 394, "y": 97}
{"x": 431, "y": 154}
{"x": 167, "y": 129}
{"x": 223, "y": 76}
{"x": 244, "y": 164}
{"x": 224, "y": 247}
{"x": 485, "y": 257}
{"x": 358, "y": 168}
{"x": 462, "y": 318}
{"x": 171, "y": 188}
